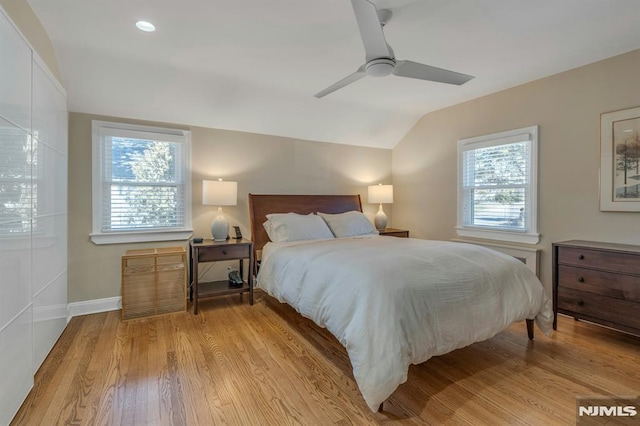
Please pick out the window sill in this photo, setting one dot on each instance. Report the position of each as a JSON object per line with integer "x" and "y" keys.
{"x": 492, "y": 234}
{"x": 140, "y": 237}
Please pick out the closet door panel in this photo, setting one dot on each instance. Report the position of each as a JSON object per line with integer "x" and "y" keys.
{"x": 15, "y": 76}
{"x": 49, "y": 250}
{"x": 49, "y": 111}
{"x": 15, "y": 177}
{"x": 49, "y": 181}
{"x": 15, "y": 270}
{"x": 16, "y": 363}
{"x": 15, "y": 221}
{"x": 49, "y": 318}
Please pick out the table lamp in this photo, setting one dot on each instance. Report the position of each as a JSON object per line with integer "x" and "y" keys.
{"x": 380, "y": 194}
{"x": 219, "y": 193}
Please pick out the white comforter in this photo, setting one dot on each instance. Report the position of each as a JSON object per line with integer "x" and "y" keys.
{"x": 393, "y": 302}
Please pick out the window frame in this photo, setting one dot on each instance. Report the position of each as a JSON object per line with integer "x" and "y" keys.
{"x": 103, "y": 128}
{"x": 530, "y": 234}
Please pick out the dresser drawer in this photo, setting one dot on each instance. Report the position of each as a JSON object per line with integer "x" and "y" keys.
{"x": 600, "y": 259}
{"x": 607, "y": 310}
{"x": 224, "y": 253}
{"x": 618, "y": 286}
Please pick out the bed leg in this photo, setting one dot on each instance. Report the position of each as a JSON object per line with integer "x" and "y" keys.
{"x": 530, "y": 329}
{"x": 380, "y": 407}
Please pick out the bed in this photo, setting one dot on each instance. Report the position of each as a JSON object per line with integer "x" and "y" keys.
{"x": 391, "y": 302}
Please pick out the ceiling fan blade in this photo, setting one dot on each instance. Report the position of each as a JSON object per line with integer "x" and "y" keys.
{"x": 427, "y": 72}
{"x": 340, "y": 84}
{"x": 375, "y": 45}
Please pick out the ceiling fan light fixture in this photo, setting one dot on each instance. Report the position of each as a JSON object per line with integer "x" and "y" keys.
{"x": 380, "y": 67}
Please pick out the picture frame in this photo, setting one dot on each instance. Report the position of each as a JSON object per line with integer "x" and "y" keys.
{"x": 620, "y": 160}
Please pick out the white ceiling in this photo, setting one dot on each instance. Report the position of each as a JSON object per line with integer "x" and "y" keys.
{"x": 254, "y": 65}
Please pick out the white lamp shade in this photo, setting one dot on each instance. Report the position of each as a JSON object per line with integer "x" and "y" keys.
{"x": 219, "y": 193}
{"x": 381, "y": 194}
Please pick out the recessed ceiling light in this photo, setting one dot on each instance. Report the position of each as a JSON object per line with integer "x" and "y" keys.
{"x": 145, "y": 26}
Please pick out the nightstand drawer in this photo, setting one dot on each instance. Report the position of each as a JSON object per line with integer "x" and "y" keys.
{"x": 227, "y": 252}
{"x": 619, "y": 286}
{"x": 619, "y": 262}
{"x": 607, "y": 310}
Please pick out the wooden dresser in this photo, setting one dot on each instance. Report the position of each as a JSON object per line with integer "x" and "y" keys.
{"x": 597, "y": 282}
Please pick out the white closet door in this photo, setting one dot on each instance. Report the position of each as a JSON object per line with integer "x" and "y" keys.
{"x": 49, "y": 236}
{"x": 16, "y": 312}
{"x": 33, "y": 216}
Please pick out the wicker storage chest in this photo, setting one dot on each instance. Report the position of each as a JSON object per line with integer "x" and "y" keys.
{"x": 153, "y": 282}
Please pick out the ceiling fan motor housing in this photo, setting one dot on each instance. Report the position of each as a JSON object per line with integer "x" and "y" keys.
{"x": 381, "y": 67}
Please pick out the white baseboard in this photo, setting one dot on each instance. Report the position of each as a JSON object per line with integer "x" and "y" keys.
{"x": 50, "y": 313}
{"x": 94, "y": 306}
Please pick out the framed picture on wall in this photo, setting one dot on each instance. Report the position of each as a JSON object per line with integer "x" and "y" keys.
{"x": 620, "y": 161}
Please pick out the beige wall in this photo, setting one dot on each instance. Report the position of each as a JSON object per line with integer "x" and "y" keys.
{"x": 22, "y": 15}
{"x": 567, "y": 108}
{"x": 259, "y": 163}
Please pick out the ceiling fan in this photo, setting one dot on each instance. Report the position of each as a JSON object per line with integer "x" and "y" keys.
{"x": 380, "y": 59}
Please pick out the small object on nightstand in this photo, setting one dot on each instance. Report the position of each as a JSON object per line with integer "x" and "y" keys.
{"x": 237, "y": 232}
{"x": 235, "y": 280}
{"x": 197, "y": 240}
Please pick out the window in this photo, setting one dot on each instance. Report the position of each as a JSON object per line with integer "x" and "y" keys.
{"x": 497, "y": 186}
{"x": 141, "y": 183}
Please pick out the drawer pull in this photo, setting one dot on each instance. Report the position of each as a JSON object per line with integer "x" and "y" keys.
{"x": 224, "y": 252}
{"x": 581, "y": 279}
{"x": 581, "y": 257}
{"x": 580, "y": 302}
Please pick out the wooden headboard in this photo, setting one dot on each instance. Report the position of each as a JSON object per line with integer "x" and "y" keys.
{"x": 260, "y": 205}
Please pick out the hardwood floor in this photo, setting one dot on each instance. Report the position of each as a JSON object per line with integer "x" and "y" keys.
{"x": 266, "y": 365}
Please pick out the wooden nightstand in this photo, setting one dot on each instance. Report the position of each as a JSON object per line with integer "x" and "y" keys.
{"x": 212, "y": 251}
{"x": 393, "y": 232}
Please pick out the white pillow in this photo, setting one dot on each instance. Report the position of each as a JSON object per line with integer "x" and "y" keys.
{"x": 349, "y": 224}
{"x": 282, "y": 227}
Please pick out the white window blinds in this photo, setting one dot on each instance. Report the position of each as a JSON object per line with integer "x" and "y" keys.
{"x": 497, "y": 183}
{"x": 142, "y": 179}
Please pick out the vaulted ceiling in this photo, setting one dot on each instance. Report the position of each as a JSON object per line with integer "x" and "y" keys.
{"x": 254, "y": 65}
